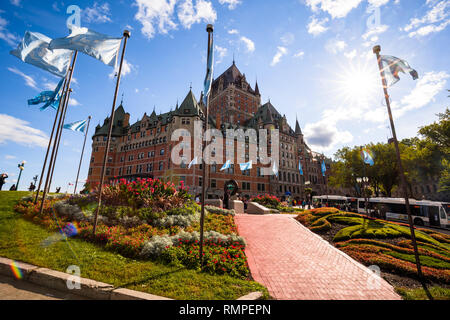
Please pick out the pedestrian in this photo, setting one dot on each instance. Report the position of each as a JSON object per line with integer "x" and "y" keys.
{"x": 31, "y": 187}
{"x": 3, "y": 177}
{"x": 13, "y": 188}
{"x": 58, "y": 189}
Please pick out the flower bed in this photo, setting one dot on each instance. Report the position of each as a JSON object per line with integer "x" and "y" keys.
{"x": 148, "y": 219}
{"x": 383, "y": 243}
{"x": 268, "y": 201}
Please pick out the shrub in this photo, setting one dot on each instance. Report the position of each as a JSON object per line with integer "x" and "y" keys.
{"x": 217, "y": 210}
{"x": 267, "y": 201}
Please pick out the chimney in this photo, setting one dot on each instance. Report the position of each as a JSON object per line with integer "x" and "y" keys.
{"x": 126, "y": 119}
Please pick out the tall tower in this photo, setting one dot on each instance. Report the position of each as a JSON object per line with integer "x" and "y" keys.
{"x": 233, "y": 100}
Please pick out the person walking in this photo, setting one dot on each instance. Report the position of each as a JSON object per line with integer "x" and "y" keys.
{"x": 3, "y": 177}
{"x": 31, "y": 187}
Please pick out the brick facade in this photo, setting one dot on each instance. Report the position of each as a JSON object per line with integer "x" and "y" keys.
{"x": 143, "y": 149}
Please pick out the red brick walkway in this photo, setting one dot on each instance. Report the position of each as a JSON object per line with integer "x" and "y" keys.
{"x": 294, "y": 263}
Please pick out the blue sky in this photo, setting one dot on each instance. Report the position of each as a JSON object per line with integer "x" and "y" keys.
{"x": 313, "y": 59}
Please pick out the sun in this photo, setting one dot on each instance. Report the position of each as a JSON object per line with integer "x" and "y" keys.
{"x": 357, "y": 83}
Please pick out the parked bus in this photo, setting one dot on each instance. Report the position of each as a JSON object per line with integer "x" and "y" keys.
{"x": 423, "y": 212}
{"x": 339, "y": 202}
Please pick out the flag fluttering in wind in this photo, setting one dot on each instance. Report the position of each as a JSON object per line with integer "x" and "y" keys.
{"x": 367, "y": 156}
{"x": 96, "y": 45}
{"x": 300, "y": 167}
{"x": 209, "y": 73}
{"x": 275, "y": 169}
{"x": 324, "y": 168}
{"x": 226, "y": 165}
{"x": 246, "y": 165}
{"x": 193, "y": 162}
{"x": 392, "y": 66}
{"x": 34, "y": 50}
{"x": 51, "y": 98}
{"x": 76, "y": 126}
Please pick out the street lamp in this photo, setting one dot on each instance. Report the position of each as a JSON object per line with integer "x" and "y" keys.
{"x": 20, "y": 166}
{"x": 363, "y": 181}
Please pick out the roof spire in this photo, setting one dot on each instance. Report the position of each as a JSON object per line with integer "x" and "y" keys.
{"x": 297, "y": 126}
{"x": 121, "y": 102}
{"x": 190, "y": 86}
{"x": 257, "y": 88}
{"x": 233, "y": 58}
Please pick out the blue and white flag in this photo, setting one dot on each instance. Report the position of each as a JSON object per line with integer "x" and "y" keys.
{"x": 226, "y": 165}
{"x": 324, "y": 168}
{"x": 367, "y": 156}
{"x": 96, "y": 45}
{"x": 246, "y": 166}
{"x": 209, "y": 73}
{"x": 76, "y": 126}
{"x": 194, "y": 161}
{"x": 34, "y": 50}
{"x": 51, "y": 98}
{"x": 300, "y": 167}
{"x": 275, "y": 169}
{"x": 392, "y": 66}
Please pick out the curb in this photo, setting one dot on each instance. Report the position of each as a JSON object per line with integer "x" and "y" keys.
{"x": 58, "y": 280}
{"x": 88, "y": 288}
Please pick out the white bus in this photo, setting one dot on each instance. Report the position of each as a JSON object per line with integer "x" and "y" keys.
{"x": 339, "y": 202}
{"x": 423, "y": 212}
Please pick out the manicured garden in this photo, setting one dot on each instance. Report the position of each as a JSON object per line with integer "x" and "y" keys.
{"x": 275, "y": 204}
{"x": 387, "y": 245}
{"x": 147, "y": 239}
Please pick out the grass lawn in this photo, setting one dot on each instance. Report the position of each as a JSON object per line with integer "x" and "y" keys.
{"x": 22, "y": 240}
{"x": 387, "y": 245}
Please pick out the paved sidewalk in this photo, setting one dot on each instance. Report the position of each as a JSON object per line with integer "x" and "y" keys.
{"x": 13, "y": 289}
{"x": 294, "y": 263}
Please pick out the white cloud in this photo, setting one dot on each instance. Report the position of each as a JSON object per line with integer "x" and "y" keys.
{"x": 231, "y": 3}
{"x": 299, "y": 54}
{"x": 136, "y": 90}
{"x": 16, "y": 2}
{"x": 9, "y": 157}
{"x": 97, "y": 13}
{"x": 49, "y": 85}
{"x": 248, "y": 43}
{"x": 350, "y": 55}
{"x": 73, "y": 102}
{"x": 221, "y": 53}
{"x": 427, "y": 87}
{"x": 29, "y": 81}
{"x": 127, "y": 68}
{"x": 233, "y": 31}
{"x": 203, "y": 11}
{"x": 335, "y": 8}
{"x": 335, "y": 46}
{"x": 281, "y": 51}
{"x": 324, "y": 135}
{"x": 436, "y": 19}
{"x": 155, "y": 12}
{"x": 378, "y": 3}
{"x": 316, "y": 26}
{"x": 6, "y": 35}
{"x": 18, "y": 131}
{"x": 374, "y": 31}
{"x": 287, "y": 39}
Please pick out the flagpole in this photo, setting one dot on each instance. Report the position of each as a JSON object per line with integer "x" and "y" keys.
{"x": 59, "y": 137}
{"x": 49, "y": 144}
{"x": 60, "y": 124}
{"x": 209, "y": 29}
{"x": 376, "y": 51}
{"x": 126, "y": 35}
{"x": 82, "y": 152}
